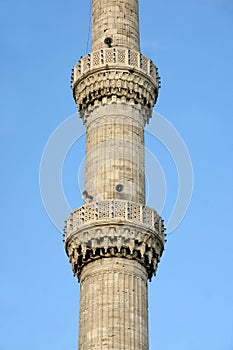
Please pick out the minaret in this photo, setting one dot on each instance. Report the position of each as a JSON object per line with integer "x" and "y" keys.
{"x": 114, "y": 241}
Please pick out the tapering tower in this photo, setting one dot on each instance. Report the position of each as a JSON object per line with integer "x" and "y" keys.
{"x": 114, "y": 241}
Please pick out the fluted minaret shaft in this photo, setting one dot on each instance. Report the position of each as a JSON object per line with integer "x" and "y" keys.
{"x": 117, "y": 20}
{"x": 113, "y": 306}
{"x": 115, "y": 153}
{"x": 114, "y": 241}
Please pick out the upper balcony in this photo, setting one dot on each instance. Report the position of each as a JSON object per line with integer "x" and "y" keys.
{"x": 115, "y": 57}
{"x": 115, "y": 74}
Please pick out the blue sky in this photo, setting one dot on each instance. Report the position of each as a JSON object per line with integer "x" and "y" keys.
{"x": 191, "y": 299}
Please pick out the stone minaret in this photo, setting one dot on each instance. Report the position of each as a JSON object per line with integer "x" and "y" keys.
{"x": 114, "y": 241}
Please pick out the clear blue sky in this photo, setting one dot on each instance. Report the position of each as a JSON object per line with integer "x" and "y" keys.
{"x": 191, "y": 299}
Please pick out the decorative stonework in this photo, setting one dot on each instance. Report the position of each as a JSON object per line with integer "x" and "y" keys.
{"x": 94, "y": 115}
{"x": 115, "y": 74}
{"x": 114, "y": 229}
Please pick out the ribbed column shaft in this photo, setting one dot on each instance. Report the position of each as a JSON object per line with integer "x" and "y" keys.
{"x": 113, "y": 306}
{"x": 115, "y": 154}
{"x": 117, "y": 20}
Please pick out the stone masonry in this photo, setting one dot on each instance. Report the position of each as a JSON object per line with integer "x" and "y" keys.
{"x": 114, "y": 241}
